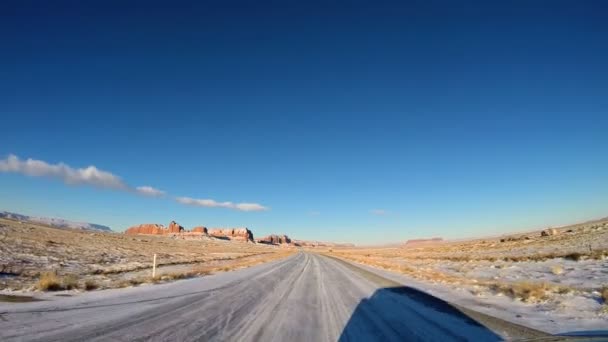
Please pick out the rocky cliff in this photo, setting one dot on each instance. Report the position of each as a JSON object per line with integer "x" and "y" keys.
{"x": 200, "y": 229}
{"x": 175, "y": 228}
{"x": 156, "y": 229}
{"x": 274, "y": 239}
{"x": 147, "y": 228}
{"x": 237, "y": 234}
{"x": 233, "y": 234}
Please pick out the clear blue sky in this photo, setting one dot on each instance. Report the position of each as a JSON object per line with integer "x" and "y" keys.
{"x": 354, "y": 121}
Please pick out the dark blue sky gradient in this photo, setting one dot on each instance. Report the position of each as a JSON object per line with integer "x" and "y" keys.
{"x": 455, "y": 118}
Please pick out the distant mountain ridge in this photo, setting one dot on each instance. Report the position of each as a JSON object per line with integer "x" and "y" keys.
{"x": 56, "y": 222}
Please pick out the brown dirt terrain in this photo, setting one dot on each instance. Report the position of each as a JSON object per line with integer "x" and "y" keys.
{"x": 34, "y": 256}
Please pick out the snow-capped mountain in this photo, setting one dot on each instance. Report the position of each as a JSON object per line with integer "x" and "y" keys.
{"x": 55, "y": 222}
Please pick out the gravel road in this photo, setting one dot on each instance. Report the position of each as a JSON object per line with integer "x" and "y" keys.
{"x": 306, "y": 297}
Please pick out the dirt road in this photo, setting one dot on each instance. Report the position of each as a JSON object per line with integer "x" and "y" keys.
{"x": 306, "y": 297}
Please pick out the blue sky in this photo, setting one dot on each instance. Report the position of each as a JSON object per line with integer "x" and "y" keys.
{"x": 352, "y": 121}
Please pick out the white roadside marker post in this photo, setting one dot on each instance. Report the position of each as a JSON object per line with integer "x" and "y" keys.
{"x": 154, "y": 267}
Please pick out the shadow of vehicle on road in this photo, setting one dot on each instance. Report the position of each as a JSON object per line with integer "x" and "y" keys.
{"x": 407, "y": 314}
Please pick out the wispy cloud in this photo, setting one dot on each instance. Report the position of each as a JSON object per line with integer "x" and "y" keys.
{"x": 92, "y": 176}
{"x": 314, "y": 213}
{"x": 149, "y": 191}
{"x": 209, "y": 203}
{"x": 84, "y": 176}
{"x": 379, "y": 212}
{"x": 250, "y": 207}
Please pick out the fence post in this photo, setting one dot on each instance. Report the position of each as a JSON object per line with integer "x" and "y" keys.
{"x": 154, "y": 267}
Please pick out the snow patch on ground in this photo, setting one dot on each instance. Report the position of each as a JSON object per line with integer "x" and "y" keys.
{"x": 584, "y": 274}
{"x": 565, "y": 313}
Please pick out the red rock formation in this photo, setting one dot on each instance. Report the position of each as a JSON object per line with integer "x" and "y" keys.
{"x": 155, "y": 229}
{"x": 200, "y": 229}
{"x": 275, "y": 239}
{"x": 238, "y": 234}
{"x": 149, "y": 228}
{"x": 175, "y": 228}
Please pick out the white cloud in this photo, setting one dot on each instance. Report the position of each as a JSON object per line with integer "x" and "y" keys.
{"x": 149, "y": 191}
{"x": 93, "y": 176}
{"x": 85, "y": 176}
{"x": 250, "y": 207}
{"x": 378, "y": 212}
{"x": 209, "y": 203}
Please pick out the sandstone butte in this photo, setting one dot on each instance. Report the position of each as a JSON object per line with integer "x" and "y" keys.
{"x": 147, "y": 228}
{"x": 174, "y": 229}
{"x": 200, "y": 229}
{"x": 274, "y": 239}
{"x": 233, "y": 234}
{"x": 237, "y": 234}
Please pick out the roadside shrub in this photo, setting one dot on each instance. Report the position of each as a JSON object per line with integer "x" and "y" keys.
{"x": 130, "y": 282}
{"x": 123, "y": 283}
{"x": 49, "y": 282}
{"x": 135, "y": 281}
{"x": 90, "y": 285}
{"x": 573, "y": 256}
{"x": 69, "y": 282}
{"x": 598, "y": 255}
{"x": 178, "y": 275}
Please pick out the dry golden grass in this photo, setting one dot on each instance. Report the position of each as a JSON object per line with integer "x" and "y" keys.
{"x": 134, "y": 281}
{"x": 49, "y": 282}
{"x": 202, "y": 270}
{"x": 90, "y": 285}
{"x": 181, "y": 275}
{"x": 525, "y": 291}
{"x": 395, "y": 266}
{"x": 587, "y": 241}
{"x": 604, "y": 294}
{"x": 450, "y": 262}
{"x": 27, "y": 250}
{"x": 70, "y": 282}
